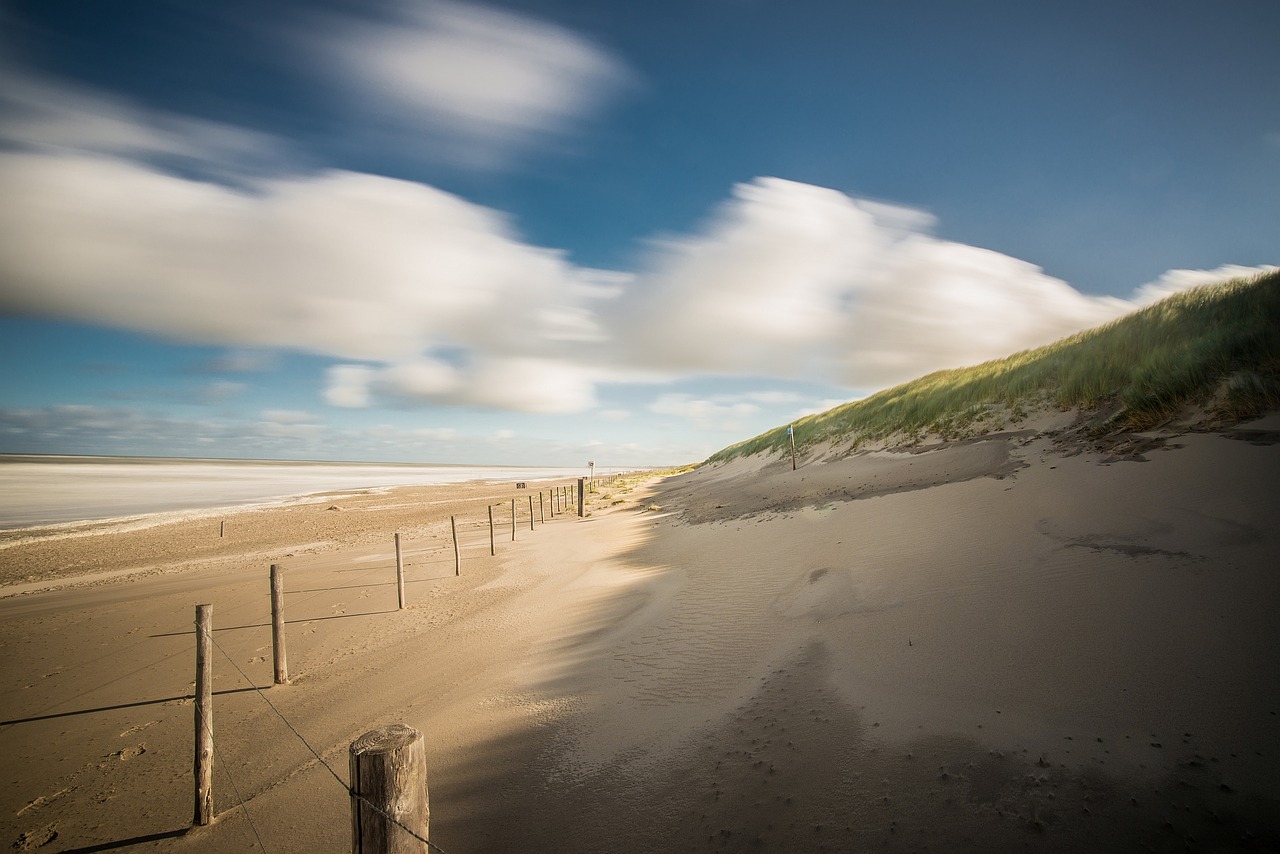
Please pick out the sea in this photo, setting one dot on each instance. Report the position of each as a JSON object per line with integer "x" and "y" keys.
{"x": 57, "y": 490}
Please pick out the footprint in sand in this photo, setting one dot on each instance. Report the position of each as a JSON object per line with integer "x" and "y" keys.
{"x": 257, "y": 659}
{"x": 139, "y": 728}
{"x": 29, "y": 840}
{"x": 129, "y": 753}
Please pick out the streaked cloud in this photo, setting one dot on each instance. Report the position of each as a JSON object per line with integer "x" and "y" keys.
{"x": 419, "y": 295}
{"x": 471, "y": 81}
{"x": 41, "y": 113}
{"x": 798, "y": 281}
{"x": 722, "y": 415}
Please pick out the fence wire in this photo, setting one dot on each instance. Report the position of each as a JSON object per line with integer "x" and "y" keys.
{"x": 320, "y": 759}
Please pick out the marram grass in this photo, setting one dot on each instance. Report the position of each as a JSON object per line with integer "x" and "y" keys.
{"x": 1216, "y": 347}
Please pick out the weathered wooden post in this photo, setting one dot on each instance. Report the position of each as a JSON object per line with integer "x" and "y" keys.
{"x": 513, "y": 520}
{"x": 390, "y": 813}
{"x": 582, "y": 499}
{"x": 277, "y": 625}
{"x": 542, "y": 515}
{"x": 204, "y": 716}
{"x": 222, "y": 527}
{"x": 791, "y": 435}
{"x": 530, "y": 512}
{"x": 399, "y": 574}
{"x": 457, "y": 555}
{"x": 492, "y": 549}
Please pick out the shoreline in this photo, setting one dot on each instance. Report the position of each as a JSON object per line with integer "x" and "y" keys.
{"x": 57, "y": 555}
{"x": 54, "y": 491}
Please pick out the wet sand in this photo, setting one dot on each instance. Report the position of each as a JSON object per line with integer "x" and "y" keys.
{"x": 1004, "y": 644}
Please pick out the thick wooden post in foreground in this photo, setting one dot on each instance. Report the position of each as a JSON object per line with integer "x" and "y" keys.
{"x": 492, "y": 549}
{"x": 277, "y": 625}
{"x": 389, "y": 809}
{"x": 399, "y": 574}
{"x": 204, "y": 716}
{"x": 581, "y": 500}
{"x": 457, "y": 555}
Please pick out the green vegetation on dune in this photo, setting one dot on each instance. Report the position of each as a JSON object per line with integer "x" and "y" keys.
{"x": 1216, "y": 346}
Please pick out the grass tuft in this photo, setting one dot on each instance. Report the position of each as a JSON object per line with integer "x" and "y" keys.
{"x": 1216, "y": 346}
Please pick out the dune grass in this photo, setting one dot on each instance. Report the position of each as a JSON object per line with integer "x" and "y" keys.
{"x": 1217, "y": 347}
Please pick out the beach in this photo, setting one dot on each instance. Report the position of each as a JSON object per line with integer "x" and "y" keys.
{"x": 1021, "y": 641}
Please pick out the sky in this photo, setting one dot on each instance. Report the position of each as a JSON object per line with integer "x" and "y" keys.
{"x": 544, "y": 232}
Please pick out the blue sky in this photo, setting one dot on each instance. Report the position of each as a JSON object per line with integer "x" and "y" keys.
{"x": 545, "y": 231}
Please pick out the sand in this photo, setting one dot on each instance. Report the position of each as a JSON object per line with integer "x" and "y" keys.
{"x": 1013, "y": 643}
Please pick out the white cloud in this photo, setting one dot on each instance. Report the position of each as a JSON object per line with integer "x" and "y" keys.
{"x": 288, "y": 416}
{"x": 477, "y": 81}
{"x": 423, "y": 296}
{"x": 719, "y": 415}
{"x": 348, "y": 385}
{"x": 436, "y": 434}
{"x": 37, "y": 112}
{"x": 796, "y": 281}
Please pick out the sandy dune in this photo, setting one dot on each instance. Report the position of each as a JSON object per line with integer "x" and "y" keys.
{"x": 1003, "y": 644}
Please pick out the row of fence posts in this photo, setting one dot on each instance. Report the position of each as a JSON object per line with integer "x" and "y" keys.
{"x": 387, "y": 765}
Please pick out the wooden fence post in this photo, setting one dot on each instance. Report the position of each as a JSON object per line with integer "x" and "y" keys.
{"x": 390, "y": 813}
{"x": 277, "y": 626}
{"x": 399, "y": 574}
{"x": 204, "y": 716}
{"x": 513, "y": 520}
{"x": 582, "y": 499}
{"x": 530, "y": 512}
{"x": 457, "y": 555}
{"x": 492, "y": 549}
{"x": 542, "y": 516}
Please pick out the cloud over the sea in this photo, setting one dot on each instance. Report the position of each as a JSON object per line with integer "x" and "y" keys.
{"x": 419, "y": 295}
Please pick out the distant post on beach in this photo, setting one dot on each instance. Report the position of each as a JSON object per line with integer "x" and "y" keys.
{"x": 530, "y": 512}
{"x": 791, "y": 434}
{"x": 204, "y": 716}
{"x": 582, "y": 498}
{"x": 513, "y": 520}
{"x": 457, "y": 554}
{"x": 492, "y": 548}
{"x": 390, "y": 813}
{"x": 277, "y": 626}
{"x": 399, "y": 574}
